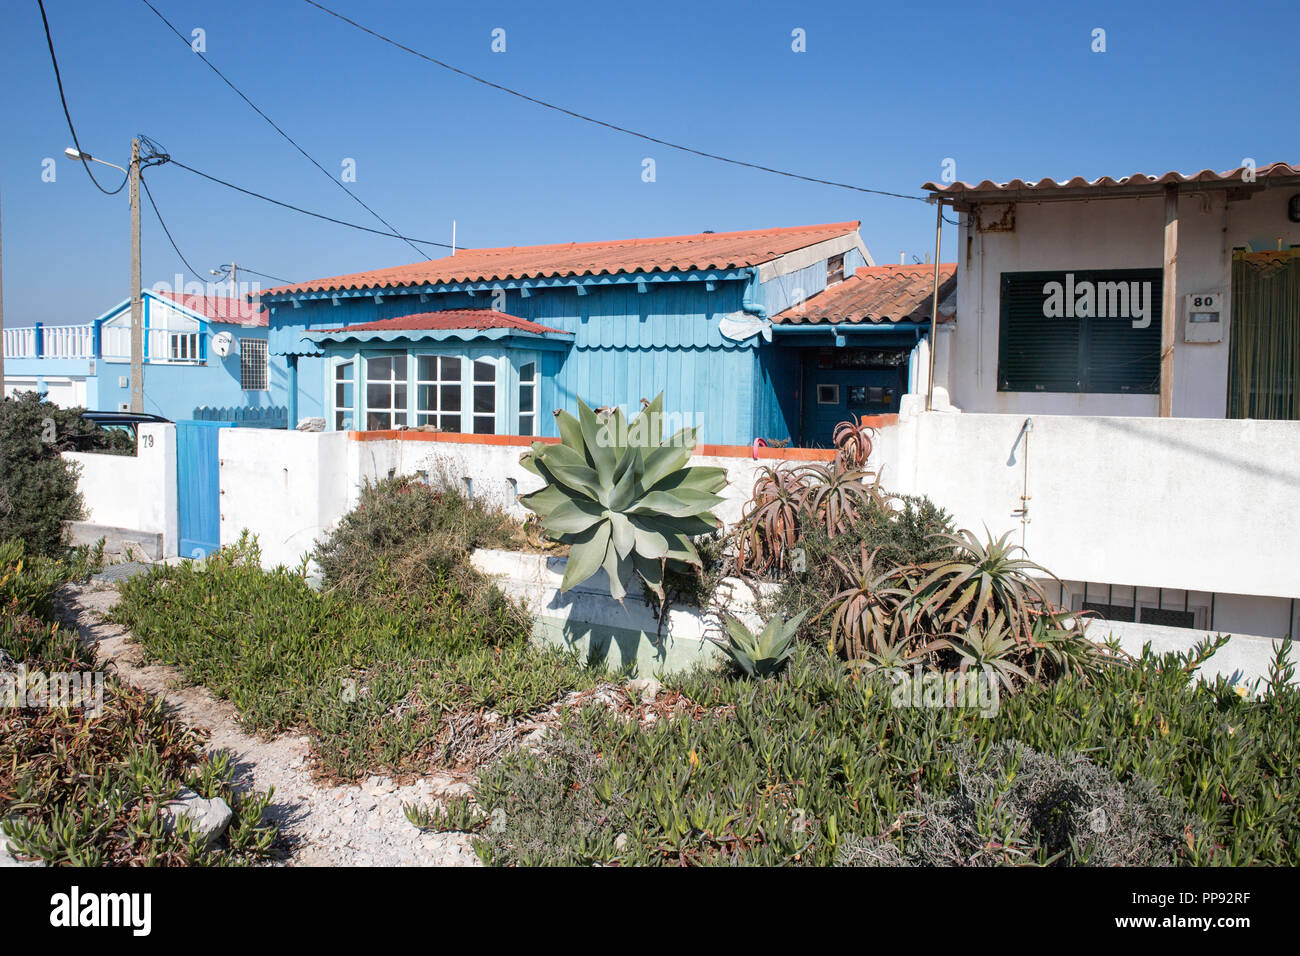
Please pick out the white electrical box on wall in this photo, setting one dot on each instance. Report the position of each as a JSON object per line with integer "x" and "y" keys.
{"x": 1203, "y": 317}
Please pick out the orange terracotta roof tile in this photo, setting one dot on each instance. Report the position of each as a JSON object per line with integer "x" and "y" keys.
{"x": 221, "y": 309}
{"x": 878, "y": 294}
{"x": 707, "y": 250}
{"x": 449, "y": 320}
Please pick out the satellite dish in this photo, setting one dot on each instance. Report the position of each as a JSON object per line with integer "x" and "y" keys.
{"x": 221, "y": 343}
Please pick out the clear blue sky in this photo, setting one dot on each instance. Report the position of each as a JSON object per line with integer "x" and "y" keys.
{"x": 884, "y": 93}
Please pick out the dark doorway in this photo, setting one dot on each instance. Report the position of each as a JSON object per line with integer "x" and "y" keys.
{"x": 844, "y": 383}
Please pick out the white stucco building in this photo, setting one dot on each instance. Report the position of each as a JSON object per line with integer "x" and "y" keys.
{"x": 1104, "y": 331}
{"x": 1232, "y": 235}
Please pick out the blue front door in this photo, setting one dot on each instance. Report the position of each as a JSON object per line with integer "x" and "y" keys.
{"x": 842, "y": 384}
{"x": 198, "y": 487}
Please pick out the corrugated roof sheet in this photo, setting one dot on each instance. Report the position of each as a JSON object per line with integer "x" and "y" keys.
{"x": 1136, "y": 181}
{"x": 707, "y": 250}
{"x": 221, "y": 309}
{"x": 878, "y": 294}
{"x": 448, "y": 320}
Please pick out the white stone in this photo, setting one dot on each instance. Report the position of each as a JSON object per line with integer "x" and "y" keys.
{"x": 210, "y": 818}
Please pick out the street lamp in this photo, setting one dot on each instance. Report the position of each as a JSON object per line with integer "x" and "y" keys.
{"x": 137, "y": 319}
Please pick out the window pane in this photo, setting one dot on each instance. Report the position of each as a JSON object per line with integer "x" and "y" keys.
{"x": 450, "y": 398}
{"x": 485, "y": 372}
{"x": 399, "y": 366}
{"x": 426, "y": 398}
{"x": 343, "y": 372}
{"x": 525, "y": 424}
{"x": 450, "y": 369}
{"x": 399, "y": 396}
{"x": 484, "y": 425}
{"x": 451, "y": 423}
{"x": 528, "y": 372}
{"x": 379, "y": 396}
{"x": 427, "y": 367}
{"x": 525, "y": 398}
{"x": 485, "y": 399}
{"x": 379, "y": 368}
{"x": 378, "y": 420}
{"x": 399, "y": 418}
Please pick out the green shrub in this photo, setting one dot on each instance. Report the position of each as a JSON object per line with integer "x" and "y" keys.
{"x": 1016, "y": 805}
{"x": 407, "y": 532}
{"x": 373, "y": 679}
{"x": 86, "y": 788}
{"x": 793, "y": 769}
{"x": 38, "y": 488}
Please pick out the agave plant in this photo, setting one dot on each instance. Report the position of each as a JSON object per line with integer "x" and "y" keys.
{"x": 762, "y": 654}
{"x": 981, "y": 580}
{"x": 621, "y": 496}
{"x": 867, "y": 615}
{"x": 835, "y": 494}
{"x": 992, "y": 648}
{"x": 853, "y": 443}
{"x": 1061, "y": 645}
{"x": 769, "y": 528}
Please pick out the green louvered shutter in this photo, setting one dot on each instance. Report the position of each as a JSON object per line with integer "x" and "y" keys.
{"x": 1035, "y": 354}
{"x": 1118, "y": 358}
{"x": 1093, "y": 354}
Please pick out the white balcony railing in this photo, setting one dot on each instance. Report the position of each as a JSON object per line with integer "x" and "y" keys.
{"x": 54, "y": 342}
{"x": 68, "y": 341}
{"x": 20, "y": 343}
{"x": 161, "y": 346}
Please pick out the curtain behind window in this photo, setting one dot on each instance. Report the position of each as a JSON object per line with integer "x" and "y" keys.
{"x": 1264, "y": 357}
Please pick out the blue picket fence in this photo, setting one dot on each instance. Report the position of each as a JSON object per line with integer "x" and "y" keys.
{"x": 271, "y": 416}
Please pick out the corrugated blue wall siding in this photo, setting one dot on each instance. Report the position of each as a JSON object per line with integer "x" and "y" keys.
{"x": 628, "y": 345}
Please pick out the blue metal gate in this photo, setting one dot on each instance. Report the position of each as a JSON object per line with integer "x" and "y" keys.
{"x": 198, "y": 487}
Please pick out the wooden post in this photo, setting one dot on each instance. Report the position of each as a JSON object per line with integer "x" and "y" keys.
{"x": 137, "y": 320}
{"x": 934, "y": 305}
{"x": 1169, "y": 304}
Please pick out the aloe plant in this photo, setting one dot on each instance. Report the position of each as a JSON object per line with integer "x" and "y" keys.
{"x": 762, "y": 654}
{"x": 622, "y": 497}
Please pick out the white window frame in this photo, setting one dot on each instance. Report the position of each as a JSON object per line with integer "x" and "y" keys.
{"x": 331, "y": 387}
{"x": 518, "y": 415}
{"x": 437, "y": 416}
{"x": 473, "y": 384}
{"x": 393, "y": 409}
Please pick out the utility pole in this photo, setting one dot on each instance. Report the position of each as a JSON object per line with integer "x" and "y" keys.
{"x": 137, "y": 305}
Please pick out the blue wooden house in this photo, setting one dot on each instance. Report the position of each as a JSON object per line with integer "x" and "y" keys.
{"x": 772, "y": 333}
{"x": 205, "y": 357}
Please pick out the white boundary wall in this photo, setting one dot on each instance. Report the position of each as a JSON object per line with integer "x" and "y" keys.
{"x": 135, "y": 493}
{"x": 1201, "y": 504}
{"x": 290, "y": 488}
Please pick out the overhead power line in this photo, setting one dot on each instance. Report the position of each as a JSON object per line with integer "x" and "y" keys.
{"x": 49, "y": 40}
{"x": 162, "y": 222}
{"x": 599, "y": 122}
{"x": 307, "y": 212}
{"x": 392, "y": 230}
